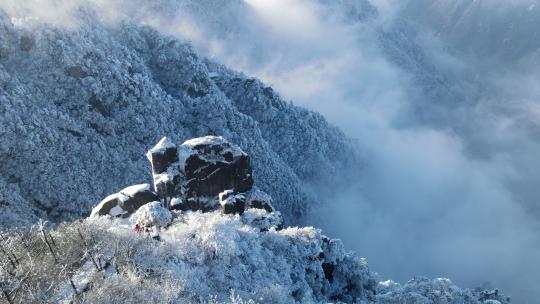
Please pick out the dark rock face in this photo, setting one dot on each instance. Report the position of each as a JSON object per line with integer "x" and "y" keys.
{"x": 106, "y": 205}
{"x": 203, "y": 174}
{"x": 233, "y": 204}
{"x": 204, "y": 204}
{"x": 194, "y": 173}
{"x": 260, "y": 200}
{"x": 125, "y": 202}
{"x": 165, "y": 168}
{"x": 134, "y": 197}
{"x": 328, "y": 269}
{"x": 214, "y": 165}
{"x": 162, "y": 156}
{"x": 168, "y": 185}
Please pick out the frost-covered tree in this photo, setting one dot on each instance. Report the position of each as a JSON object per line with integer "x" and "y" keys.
{"x": 201, "y": 257}
{"x": 79, "y": 106}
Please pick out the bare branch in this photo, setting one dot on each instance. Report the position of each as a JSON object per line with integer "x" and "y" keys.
{"x": 44, "y": 237}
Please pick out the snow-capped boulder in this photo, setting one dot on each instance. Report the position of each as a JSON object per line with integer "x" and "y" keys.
{"x": 260, "y": 200}
{"x": 211, "y": 165}
{"x": 152, "y": 214}
{"x": 135, "y": 196}
{"x": 164, "y": 159}
{"x": 232, "y": 203}
{"x": 125, "y": 202}
{"x": 263, "y": 220}
{"x": 162, "y": 155}
{"x": 108, "y": 206}
{"x": 193, "y": 174}
{"x": 190, "y": 177}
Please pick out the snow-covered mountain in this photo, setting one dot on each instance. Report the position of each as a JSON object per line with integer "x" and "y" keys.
{"x": 79, "y": 106}
{"x": 498, "y": 33}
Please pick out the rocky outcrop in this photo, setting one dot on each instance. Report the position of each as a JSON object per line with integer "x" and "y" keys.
{"x": 211, "y": 165}
{"x": 232, "y": 203}
{"x": 125, "y": 202}
{"x": 260, "y": 200}
{"x": 162, "y": 156}
{"x": 191, "y": 176}
{"x": 106, "y": 206}
{"x": 205, "y": 173}
{"x": 165, "y": 168}
{"x": 243, "y": 236}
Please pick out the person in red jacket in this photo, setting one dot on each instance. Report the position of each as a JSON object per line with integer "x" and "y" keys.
{"x": 137, "y": 228}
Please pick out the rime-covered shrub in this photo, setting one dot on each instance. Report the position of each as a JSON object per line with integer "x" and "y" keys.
{"x": 151, "y": 214}
{"x": 438, "y": 291}
{"x": 262, "y": 219}
{"x": 201, "y": 258}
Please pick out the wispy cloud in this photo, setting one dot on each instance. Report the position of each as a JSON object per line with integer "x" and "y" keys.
{"x": 438, "y": 199}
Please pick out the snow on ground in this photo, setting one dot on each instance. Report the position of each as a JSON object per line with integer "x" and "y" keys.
{"x": 132, "y": 190}
{"x": 213, "y": 255}
{"x": 189, "y": 148}
{"x": 162, "y": 145}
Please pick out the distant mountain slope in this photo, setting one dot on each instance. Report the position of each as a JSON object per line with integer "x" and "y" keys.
{"x": 282, "y": 124}
{"x": 489, "y": 30}
{"x": 78, "y": 108}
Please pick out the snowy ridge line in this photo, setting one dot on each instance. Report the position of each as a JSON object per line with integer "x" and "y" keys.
{"x": 236, "y": 252}
{"x": 207, "y": 257}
